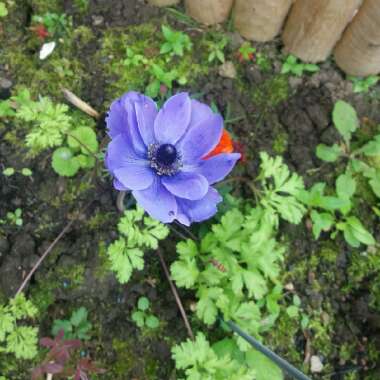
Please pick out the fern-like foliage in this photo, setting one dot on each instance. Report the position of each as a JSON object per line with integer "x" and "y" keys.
{"x": 199, "y": 361}
{"x": 234, "y": 270}
{"x": 137, "y": 234}
{"x": 281, "y": 189}
{"x": 49, "y": 121}
{"x": 15, "y": 338}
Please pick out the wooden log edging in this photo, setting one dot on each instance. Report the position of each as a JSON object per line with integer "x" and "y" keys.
{"x": 314, "y": 27}
{"x": 209, "y": 12}
{"x": 358, "y": 52}
{"x": 260, "y": 20}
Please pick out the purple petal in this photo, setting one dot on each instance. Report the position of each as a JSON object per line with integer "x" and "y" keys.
{"x": 122, "y": 119}
{"x": 199, "y": 112}
{"x": 181, "y": 215}
{"x": 135, "y": 177}
{"x": 131, "y": 171}
{"x": 216, "y": 168}
{"x": 201, "y": 139}
{"x": 205, "y": 208}
{"x": 157, "y": 202}
{"x": 173, "y": 119}
{"x": 119, "y": 186}
{"x": 186, "y": 185}
{"x": 120, "y": 152}
{"x": 146, "y": 112}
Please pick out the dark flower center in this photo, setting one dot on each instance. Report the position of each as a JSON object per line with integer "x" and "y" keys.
{"x": 164, "y": 159}
{"x": 166, "y": 154}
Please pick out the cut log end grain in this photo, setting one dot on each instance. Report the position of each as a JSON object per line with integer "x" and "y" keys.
{"x": 358, "y": 52}
{"x": 209, "y": 12}
{"x": 260, "y": 20}
{"x": 314, "y": 27}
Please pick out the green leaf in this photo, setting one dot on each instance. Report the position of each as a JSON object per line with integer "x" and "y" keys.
{"x": 26, "y": 172}
{"x": 328, "y": 153}
{"x": 152, "y": 322}
{"x": 3, "y": 9}
{"x": 8, "y": 172}
{"x": 321, "y": 222}
{"x": 375, "y": 182}
{"x": 22, "y": 341}
{"x": 265, "y": 369}
{"x": 372, "y": 148}
{"x": 139, "y": 318}
{"x": 292, "y": 311}
{"x": 345, "y": 186}
{"x": 185, "y": 272}
{"x": 83, "y": 138}
{"x": 143, "y": 303}
{"x": 64, "y": 163}
{"x": 345, "y": 119}
{"x": 78, "y": 316}
{"x": 359, "y": 232}
{"x": 206, "y": 307}
{"x": 62, "y": 324}
{"x": 6, "y": 323}
{"x": 20, "y": 307}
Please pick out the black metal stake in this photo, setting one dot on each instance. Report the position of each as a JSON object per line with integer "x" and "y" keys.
{"x": 283, "y": 364}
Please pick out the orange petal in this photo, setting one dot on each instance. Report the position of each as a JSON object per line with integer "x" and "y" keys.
{"x": 225, "y": 146}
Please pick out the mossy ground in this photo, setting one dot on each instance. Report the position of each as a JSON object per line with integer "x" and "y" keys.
{"x": 90, "y": 62}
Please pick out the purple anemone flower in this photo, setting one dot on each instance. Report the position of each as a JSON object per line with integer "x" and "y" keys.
{"x": 159, "y": 155}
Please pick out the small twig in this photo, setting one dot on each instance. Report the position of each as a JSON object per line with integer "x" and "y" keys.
{"x": 48, "y": 250}
{"x": 79, "y": 103}
{"x": 82, "y": 145}
{"x": 176, "y": 296}
{"x": 187, "y": 230}
{"x": 120, "y": 201}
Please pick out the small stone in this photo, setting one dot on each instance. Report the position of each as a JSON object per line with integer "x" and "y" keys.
{"x": 289, "y": 287}
{"x": 227, "y": 70}
{"x": 316, "y": 365}
{"x": 97, "y": 20}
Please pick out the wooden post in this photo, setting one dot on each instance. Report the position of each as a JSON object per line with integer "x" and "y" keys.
{"x": 358, "y": 52}
{"x": 260, "y": 20}
{"x": 209, "y": 12}
{"x": 163, "y": 3}
{"x": 314, "y": 27}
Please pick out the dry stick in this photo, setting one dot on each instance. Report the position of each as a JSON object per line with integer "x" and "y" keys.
{"x": 79, "y": 103}
{"x": 48, "y": 250}
{"x": 176, "y": 296}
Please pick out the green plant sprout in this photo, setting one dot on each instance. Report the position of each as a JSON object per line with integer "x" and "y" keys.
{"x": 161, "y": 77}
{"x": 334, "y": 211}
{"x": 26, "y": 172}
{"x": 293, "y": 66}
{"x": 363, "y": 84}
{"x": 137, "y": 234}
{"x": 3, "y": 9}
{"x": 133, "y": 59}
{"x": 77, "y": 327}
{"x": 143, "y": 316}
{"x": 14, "y": 218}
{"x": 56, "y": 24}
{"x": 52, "y": 126}
{"x": 199, "y": 360}
{"x": 15, "y": 336}
{"x": 216, "y": 48}
{"x": 246, "y": 52}
{"x": 176, "y": 42}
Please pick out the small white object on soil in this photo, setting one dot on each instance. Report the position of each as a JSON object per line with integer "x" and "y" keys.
{"x": 316, "y": 365}
{"x": 227, "y": 70}
{"x": 47, "y": 49}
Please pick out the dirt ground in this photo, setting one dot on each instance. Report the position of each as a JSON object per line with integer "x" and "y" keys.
{"x": 274, "y": 113}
